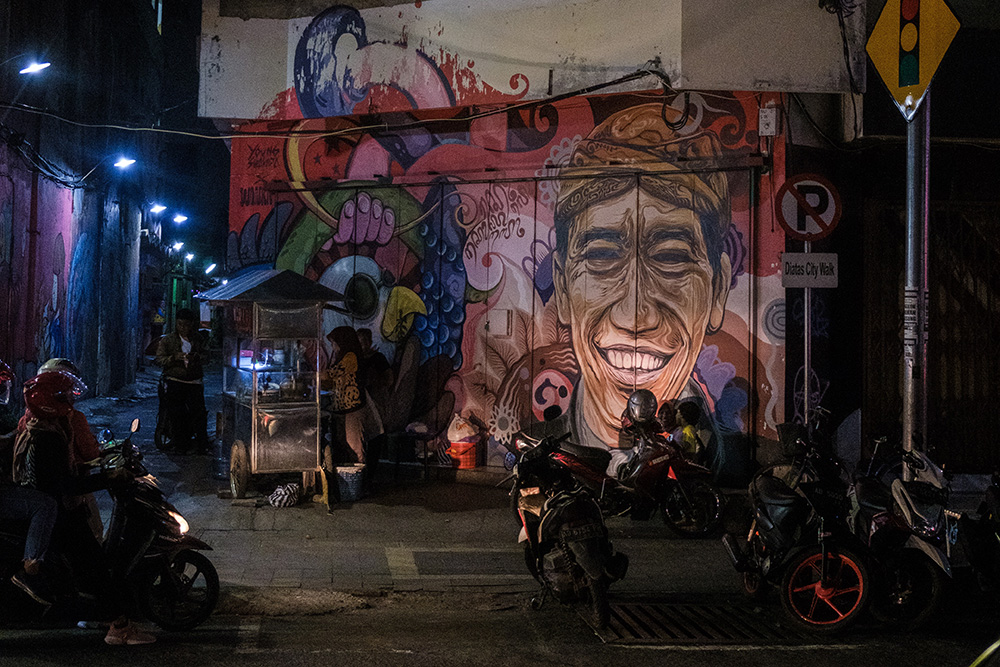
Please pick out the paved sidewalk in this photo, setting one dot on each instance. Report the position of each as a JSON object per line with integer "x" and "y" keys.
{"x": 445, "y": 530}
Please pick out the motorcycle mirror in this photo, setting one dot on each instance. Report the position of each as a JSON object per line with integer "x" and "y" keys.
{"x": 106, "y": 436}
{"x": 135, "y": 425}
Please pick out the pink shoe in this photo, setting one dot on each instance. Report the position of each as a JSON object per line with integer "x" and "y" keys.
{"x": 128, "y": 635}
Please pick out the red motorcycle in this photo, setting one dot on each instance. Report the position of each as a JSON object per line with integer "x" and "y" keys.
{"x": 658, "y": 478}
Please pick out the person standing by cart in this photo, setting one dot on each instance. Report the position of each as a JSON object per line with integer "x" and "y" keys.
{"x": 181, "y": 354}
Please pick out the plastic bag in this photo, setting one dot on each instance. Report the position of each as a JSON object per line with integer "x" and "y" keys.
{"x": 461, "y": 430}
{"x": 285, "y": 495}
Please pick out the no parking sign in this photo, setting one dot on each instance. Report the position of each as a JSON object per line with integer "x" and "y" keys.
{"x": 807, "y": 207}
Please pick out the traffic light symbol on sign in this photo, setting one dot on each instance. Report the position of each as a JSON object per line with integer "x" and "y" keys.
{"x": 909, "y": 42}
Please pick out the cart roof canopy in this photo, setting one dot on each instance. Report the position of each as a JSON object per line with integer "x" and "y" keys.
{"x": 270, "y": 286}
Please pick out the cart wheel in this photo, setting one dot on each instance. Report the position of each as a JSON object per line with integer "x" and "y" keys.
{"x": 239, "y": 470}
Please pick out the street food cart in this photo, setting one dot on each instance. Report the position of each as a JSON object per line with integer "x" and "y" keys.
{"x": 272, "y": 336}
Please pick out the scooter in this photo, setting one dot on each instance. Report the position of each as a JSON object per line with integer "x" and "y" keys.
{"x": 800, "y": 540}
{"x": 566, "y": 545}
{"x": 147, "y": 543}
{"x": 979, "y": 535}
{"x": 906, "y": 527}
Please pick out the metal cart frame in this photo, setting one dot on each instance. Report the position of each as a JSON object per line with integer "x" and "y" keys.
{"x": 272, "y": 338}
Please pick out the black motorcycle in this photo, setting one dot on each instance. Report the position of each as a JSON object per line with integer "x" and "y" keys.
{"x": 566, "y": 545}
{"x": 147, "y": 543}
{"x": 979, "y": 535}
{"x": 905, "y": 525}
{"x": 800, "y": 540}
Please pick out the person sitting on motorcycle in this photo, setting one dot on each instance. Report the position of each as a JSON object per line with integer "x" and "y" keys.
{"x": 181, "y": 354}
{"x": 667, "y": 418}
{"x": 84, "y": 449}
{"x": 43, "y": 462}
{"x": 638, "y": 421}
{"x": 28, "y": 505}
{"x": 688, "y": 415}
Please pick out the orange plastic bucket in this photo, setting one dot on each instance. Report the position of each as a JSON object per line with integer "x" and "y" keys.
{"x": 463, "y": 454}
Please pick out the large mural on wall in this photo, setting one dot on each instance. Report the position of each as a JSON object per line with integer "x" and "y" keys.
{"x": 537, "y": 261}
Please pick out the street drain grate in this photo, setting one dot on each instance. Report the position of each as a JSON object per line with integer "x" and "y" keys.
{"x": 657, "y": 623}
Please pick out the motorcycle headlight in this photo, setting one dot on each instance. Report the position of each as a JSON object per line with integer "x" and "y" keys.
{"x": 181, "y": 522}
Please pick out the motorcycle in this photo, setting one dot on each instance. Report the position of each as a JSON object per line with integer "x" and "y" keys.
{"x": 800, "y": 540}
{"x": 906, "y": 527}
{"x": 566, "y": 545}
{"x": 979, "y": 535}
{"x": 658, "y": 477}
{"x": 147, "y": 543}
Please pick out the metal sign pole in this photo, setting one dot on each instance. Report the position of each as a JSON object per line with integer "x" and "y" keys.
{"x": 917, "y": 139}
{"x": 807, "y": 344}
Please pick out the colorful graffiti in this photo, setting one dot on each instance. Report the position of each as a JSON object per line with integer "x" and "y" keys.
{"x": 547, "y": 259}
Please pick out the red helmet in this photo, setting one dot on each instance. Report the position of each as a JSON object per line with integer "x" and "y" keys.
{"x": 6, "y": 382}
{"x": 52, "y": 393}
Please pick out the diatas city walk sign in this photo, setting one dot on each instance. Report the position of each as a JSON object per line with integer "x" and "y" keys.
{"x": 907, "y": 45}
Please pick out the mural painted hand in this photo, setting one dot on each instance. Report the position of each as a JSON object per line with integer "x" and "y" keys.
{"x": 365, "y": 219}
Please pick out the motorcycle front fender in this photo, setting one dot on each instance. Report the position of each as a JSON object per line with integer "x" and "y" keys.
{"x": 932, "y": 552}
{"x": 191, "y": 542}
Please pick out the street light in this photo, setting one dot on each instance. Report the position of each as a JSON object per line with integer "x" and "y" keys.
{"x": 178, "y": 245}
{"x": 210, "y": 268}
{"x": 179, "y": 218}
{"x": 189, "y": 256}
{"x": 30, "y": 69}
{"x": 157, "y": 208}
{"x": 122, "y": 163}
{"x": 34, "y": 67}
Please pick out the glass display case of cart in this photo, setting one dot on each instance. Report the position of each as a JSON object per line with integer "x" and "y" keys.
{"x": 278, "y": 370}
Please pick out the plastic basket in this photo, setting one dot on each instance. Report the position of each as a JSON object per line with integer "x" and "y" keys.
{"x": 349, "y": 481}
{"x": 463, "y": 454}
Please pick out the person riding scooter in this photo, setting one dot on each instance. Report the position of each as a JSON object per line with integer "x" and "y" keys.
{"x": 84, "y": 450}
{"x": 43, "y": 462}
{"x": 181, "y": 354}
{"x": 22, "y": 504}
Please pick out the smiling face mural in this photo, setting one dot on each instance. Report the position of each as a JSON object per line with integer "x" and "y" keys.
{"x": 540, "y": 260}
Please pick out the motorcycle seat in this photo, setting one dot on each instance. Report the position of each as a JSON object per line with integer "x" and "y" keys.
{"x": 872, "y": 494}
{"x": 773, "y": 491}
{"x": 592, "y": 456}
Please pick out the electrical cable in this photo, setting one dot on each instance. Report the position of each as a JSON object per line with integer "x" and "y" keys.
{"x": 638, "y": 74}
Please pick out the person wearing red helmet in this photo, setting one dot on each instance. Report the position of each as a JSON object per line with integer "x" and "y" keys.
{"x": 83, "y": 445}
{"x": 28, "y": 505}
{"x": 43, "y": 461}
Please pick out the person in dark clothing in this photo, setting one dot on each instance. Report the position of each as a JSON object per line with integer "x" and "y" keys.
{"x": 18, "y": 503}
{"x": 43, "y": 462}
{"x": 181, "y": 354}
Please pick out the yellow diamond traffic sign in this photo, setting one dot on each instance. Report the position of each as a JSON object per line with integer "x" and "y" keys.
{"x": 907, "y": 45}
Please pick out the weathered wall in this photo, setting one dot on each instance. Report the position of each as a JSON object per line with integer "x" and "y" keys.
{"x": 539, "y": 257}
{"x": 68, "y": 276}
{"x": 449, "y": 53}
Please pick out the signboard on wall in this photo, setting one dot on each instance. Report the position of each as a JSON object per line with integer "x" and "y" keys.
{"x": 809, "y": 269}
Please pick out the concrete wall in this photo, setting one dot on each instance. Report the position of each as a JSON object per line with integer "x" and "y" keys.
{"x": 452, "y": 53}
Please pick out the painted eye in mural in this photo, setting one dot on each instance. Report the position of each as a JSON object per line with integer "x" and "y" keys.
{"x": 673, "y": 257}
{"x": 603, "y": 256}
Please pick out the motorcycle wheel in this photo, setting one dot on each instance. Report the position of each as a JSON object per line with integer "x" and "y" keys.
{"x": 824, "y": 609}
{"x": 593, "y": 604}
{"x": 180, "y": 594}
{"x": 695, "y": 510}
{"x": 911, "y": 592}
